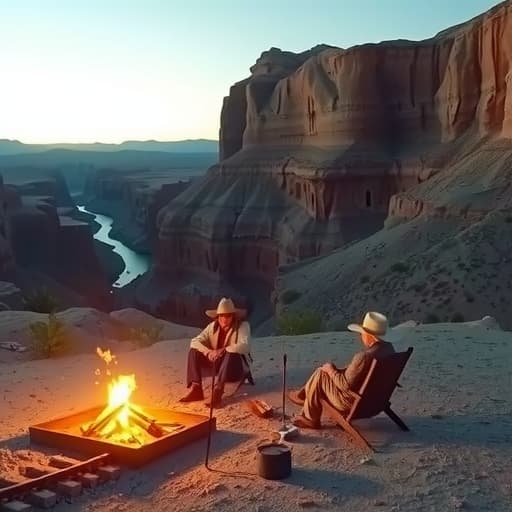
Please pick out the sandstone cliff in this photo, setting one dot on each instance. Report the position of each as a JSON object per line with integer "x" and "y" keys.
{"x": 133, "y": 199}
{"x": 45, "y": 247}
{"x": 316, "y": 145}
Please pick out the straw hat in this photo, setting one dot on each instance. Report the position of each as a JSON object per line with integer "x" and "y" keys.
{"x": 373, "y": 323}
{"x": 225, "y": 307}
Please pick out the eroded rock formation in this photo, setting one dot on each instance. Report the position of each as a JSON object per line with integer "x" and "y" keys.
{"x": 315, "y": 146}
{"x": 133, "y": 199}
{"x": 40, "y": 238}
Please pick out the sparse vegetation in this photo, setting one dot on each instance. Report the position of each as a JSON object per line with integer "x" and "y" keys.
{"x": 457, "y": 317}
{"x": 469, "y": 297}
{"x": 289, "y": 296}
{"x": 419, "y": 287}
{"x": 399, "y": 267}
{"x": 50, "y": 338}
{"x": 40, "y": 301}
{"x": 147, "y": 335}
{"x": 432, "y": 318}
{"x": 299, "y": 322}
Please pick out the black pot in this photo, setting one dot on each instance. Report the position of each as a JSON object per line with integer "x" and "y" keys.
{"x": 274, "y": 461}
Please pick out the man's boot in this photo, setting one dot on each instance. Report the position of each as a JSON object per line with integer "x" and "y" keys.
{"x": 195, "y": 394}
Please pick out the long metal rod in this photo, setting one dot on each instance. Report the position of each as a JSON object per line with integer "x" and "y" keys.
{"x": 210, "y": 421}
{"x": 284, "y": 391}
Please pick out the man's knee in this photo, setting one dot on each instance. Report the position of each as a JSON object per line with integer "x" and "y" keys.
{"x": 193, "y": 352}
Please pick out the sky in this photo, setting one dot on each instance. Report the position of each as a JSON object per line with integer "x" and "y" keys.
{"x": 114, "y": 70}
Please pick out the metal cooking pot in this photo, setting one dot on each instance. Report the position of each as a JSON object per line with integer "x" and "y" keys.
{"x": 274, "y": 461}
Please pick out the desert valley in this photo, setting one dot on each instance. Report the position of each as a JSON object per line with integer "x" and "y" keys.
{"x": 372, "y": 178}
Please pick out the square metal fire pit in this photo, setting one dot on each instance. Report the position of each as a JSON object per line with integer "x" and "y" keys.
{"x": 64, "y": 433}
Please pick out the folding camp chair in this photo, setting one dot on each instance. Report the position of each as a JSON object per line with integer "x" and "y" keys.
{"x": 373, "y": 397}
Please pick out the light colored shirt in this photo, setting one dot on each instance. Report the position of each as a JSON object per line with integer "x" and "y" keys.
{"x": 236, "y": 343}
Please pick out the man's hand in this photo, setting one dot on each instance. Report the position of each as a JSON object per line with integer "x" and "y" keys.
{"x": 328, "y": 368}
{"x": 213, "y": 355}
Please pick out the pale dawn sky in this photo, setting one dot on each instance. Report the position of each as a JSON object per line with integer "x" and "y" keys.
{"x": 108, "y": 71}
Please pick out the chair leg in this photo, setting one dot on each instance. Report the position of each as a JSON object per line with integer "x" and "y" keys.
{"x": 393, "y": 416}
{"x": 358, "y": 438}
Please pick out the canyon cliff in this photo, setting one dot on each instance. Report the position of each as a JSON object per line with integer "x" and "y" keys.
{"x": 319, "y": 148}
{"x": 42, "y": 246}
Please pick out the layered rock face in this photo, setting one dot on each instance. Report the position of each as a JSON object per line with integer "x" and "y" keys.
{"x": 41, "y": 238}
{"x": 315, "y": 146}
{"x": 133, "y": 199}
{"x": 6, "y": 256}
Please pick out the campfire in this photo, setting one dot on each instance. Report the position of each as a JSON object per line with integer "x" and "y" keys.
{"x": 131, "y": 434}
{"x": 122, "y": 421}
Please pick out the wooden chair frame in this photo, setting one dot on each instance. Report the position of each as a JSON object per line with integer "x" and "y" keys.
{"x": 373, "y": 397}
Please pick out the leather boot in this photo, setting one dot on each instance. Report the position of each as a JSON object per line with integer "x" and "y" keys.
{"x": 195, "y": 394}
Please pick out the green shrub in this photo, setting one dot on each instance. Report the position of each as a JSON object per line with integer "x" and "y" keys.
{"x": 469, "y": 297}
{"x": 299, "y": 322}
{"x": 457, "y": 317}
{"x": 40, "y": 301}
{"x": 419, "y": 287}
{"x": 50, "y": 338}
{"x": 432, "y": 318}
{"x": 289, "y": 296}
{"x": 399, "y": 267}
{"x": 147, "y": 335}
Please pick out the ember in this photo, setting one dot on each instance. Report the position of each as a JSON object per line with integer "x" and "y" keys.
{"x": 121, "y": 421}
{"x": 131, "y": 434}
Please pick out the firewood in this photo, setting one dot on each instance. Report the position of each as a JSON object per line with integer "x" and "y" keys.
{"x": 148, "y": 427}
{"x": 260, "y": 408}
{"x": 101, "y": 422}
{"x": 150, "y": 424}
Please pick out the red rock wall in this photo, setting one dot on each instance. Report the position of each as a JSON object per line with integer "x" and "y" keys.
{"x": 342, "y": 134}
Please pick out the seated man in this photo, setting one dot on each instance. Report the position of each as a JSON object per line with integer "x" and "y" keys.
{"x": 330, "y": 383}
{"x": 223, "y": 346}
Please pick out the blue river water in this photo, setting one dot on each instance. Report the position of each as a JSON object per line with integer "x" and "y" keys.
{"x": 135, "y": 263}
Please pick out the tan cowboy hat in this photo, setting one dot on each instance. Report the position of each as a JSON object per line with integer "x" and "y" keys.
{"x": 373, "y": 323}
{"x": 225, "y": 307}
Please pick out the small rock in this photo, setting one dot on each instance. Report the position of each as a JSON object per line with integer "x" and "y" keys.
{"x": 458, "y": 503}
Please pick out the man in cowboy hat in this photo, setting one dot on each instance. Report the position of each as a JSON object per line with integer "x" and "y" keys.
{"x": 336, "y": 384}
{"x": 222, "y": 346}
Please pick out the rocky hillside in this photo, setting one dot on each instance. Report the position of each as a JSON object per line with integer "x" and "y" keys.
{"x": 319, "y": 147}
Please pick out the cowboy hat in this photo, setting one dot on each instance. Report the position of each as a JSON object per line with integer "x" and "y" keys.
{"x": 373, "y": 323}
{"x": 225, "y": 307}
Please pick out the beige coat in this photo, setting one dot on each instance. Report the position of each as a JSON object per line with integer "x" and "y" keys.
{"x": 209, "y": 337}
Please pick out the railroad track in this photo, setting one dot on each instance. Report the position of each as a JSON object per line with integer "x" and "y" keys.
{"x": 62, "y": 477}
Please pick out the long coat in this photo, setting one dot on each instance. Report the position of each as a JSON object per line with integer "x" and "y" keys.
{"x": 236, "y": 342}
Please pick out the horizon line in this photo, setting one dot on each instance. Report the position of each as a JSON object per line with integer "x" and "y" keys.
{"x": 108, "y": 143}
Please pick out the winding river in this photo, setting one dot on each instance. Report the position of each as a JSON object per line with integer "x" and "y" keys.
{"x": 135, "y": 263}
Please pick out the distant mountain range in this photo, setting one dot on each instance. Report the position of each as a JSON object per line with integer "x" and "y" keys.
{"x": 15, "y": 147}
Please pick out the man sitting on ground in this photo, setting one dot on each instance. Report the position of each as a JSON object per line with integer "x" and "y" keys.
{"x": 335, "y": 385}
{"x": 223, "y": 347}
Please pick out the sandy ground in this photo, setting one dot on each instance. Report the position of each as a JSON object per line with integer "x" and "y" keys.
{"x": 456, "y": 398}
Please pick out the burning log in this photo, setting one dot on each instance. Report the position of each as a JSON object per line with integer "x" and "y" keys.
{"x": 100, "y": 422}
{"x": 145, "y": 422}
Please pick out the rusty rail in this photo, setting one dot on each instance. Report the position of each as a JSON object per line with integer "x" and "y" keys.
{"x": 18, "y": 491}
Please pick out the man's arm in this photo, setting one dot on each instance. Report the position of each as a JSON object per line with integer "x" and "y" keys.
{"x": 242, "y": 344}
{"x": 202, "y": 341}
{"x": 352, "y": 377}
